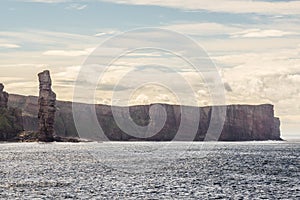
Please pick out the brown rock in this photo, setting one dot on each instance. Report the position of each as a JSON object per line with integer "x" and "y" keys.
{"x": 247, "y": 122}
{"x": 3, "y": 97}
{"x": 11, "y": 122}
{"x": 242, "y": 123}
{"x": 46, "y": 102}
{"x": 276, "y": 129}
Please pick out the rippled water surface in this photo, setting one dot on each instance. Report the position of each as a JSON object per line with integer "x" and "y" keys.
{"x": 266, "y": 170}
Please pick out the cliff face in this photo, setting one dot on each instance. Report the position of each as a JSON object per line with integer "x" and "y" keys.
{"x": 3, "y": 97}
{"x": 11, "y": 123}
{"x": 46, "y": 114}
{"x": 276, "y": 129}
{"x": 30, "y": 109}
{"x": 243, "y": 122}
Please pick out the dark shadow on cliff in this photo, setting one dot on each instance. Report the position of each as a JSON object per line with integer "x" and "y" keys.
{"x": 243, "y": 122}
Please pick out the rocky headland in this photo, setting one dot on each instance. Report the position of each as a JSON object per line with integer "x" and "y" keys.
{"x": 43, "y": 118}
{"x": 242, "y": 123}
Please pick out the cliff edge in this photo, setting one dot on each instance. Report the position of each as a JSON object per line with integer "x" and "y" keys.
{"x": 242, "y": 123}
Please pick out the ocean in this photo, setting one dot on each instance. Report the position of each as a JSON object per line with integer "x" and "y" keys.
{"x": 150, "y": 170}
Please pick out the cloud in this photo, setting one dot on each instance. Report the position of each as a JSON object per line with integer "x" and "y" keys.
{"x": 68, "y": 73}
{"x": 42, "y": 38}
{"x": 9, "y": 46}
{"x": 228, "y": 6}
{"x": 249, "y": 45}
{"x": 105, "y": 33}
{"x": 76, "y": 7}
{"x": 100, "y": 34}
{"x": 142, "y": 98}
{"x": 285, "y": 27}
{"x": 69, "y": 53}
{"x": 202, "y": 29}
{"x": 111, "y": 87}
{"x": 47, "y": 1}
{"x": 258, "y": 33}
{"x": 261, "y": 78}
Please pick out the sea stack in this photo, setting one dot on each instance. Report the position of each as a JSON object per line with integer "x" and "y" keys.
{"x": 3, "y": 97}
{"x": 46, "y": 115}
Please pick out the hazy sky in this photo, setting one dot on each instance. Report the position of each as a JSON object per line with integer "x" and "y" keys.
{"x": 254, "y": 44}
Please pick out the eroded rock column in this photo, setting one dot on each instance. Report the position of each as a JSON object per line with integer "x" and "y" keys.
{"x": 47, "y": 100}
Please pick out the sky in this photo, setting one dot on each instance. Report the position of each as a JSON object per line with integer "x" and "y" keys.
{"x": 254, "y": 45}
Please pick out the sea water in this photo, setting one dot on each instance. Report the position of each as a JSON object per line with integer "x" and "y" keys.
{"x": 150, "y": 170}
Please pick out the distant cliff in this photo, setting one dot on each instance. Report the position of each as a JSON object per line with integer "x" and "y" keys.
{"x": 243, "y": 122}
{"x": 11, "y": 123}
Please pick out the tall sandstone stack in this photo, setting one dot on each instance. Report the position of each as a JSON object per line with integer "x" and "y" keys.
{"x": 46, "y": 102}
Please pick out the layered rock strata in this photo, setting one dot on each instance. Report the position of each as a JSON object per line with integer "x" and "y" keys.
{"x": 242, "y": 123}
{"x": 46, "y": 104}
{"x": 11, "y": 121}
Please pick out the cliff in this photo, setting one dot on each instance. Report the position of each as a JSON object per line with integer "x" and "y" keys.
{"x": 242, "y": 123}
{"x": 11, "y": 123}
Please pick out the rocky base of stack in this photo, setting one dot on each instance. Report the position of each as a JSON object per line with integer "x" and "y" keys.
{"x": 31, "y": 136}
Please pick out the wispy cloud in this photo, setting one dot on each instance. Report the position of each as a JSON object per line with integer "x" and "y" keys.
{"x": 47, "y": 1}
{"x": 105, "y": 33}
{"x": 76, "y": 7}
{"x": 258, "y": 33}
{"x": 205, "y": 29}
{"x": 47, "y": 39}
{"x": 229, "y": 6}
{"x": 9, "y": 46}
{"x": 69, "y": 53}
